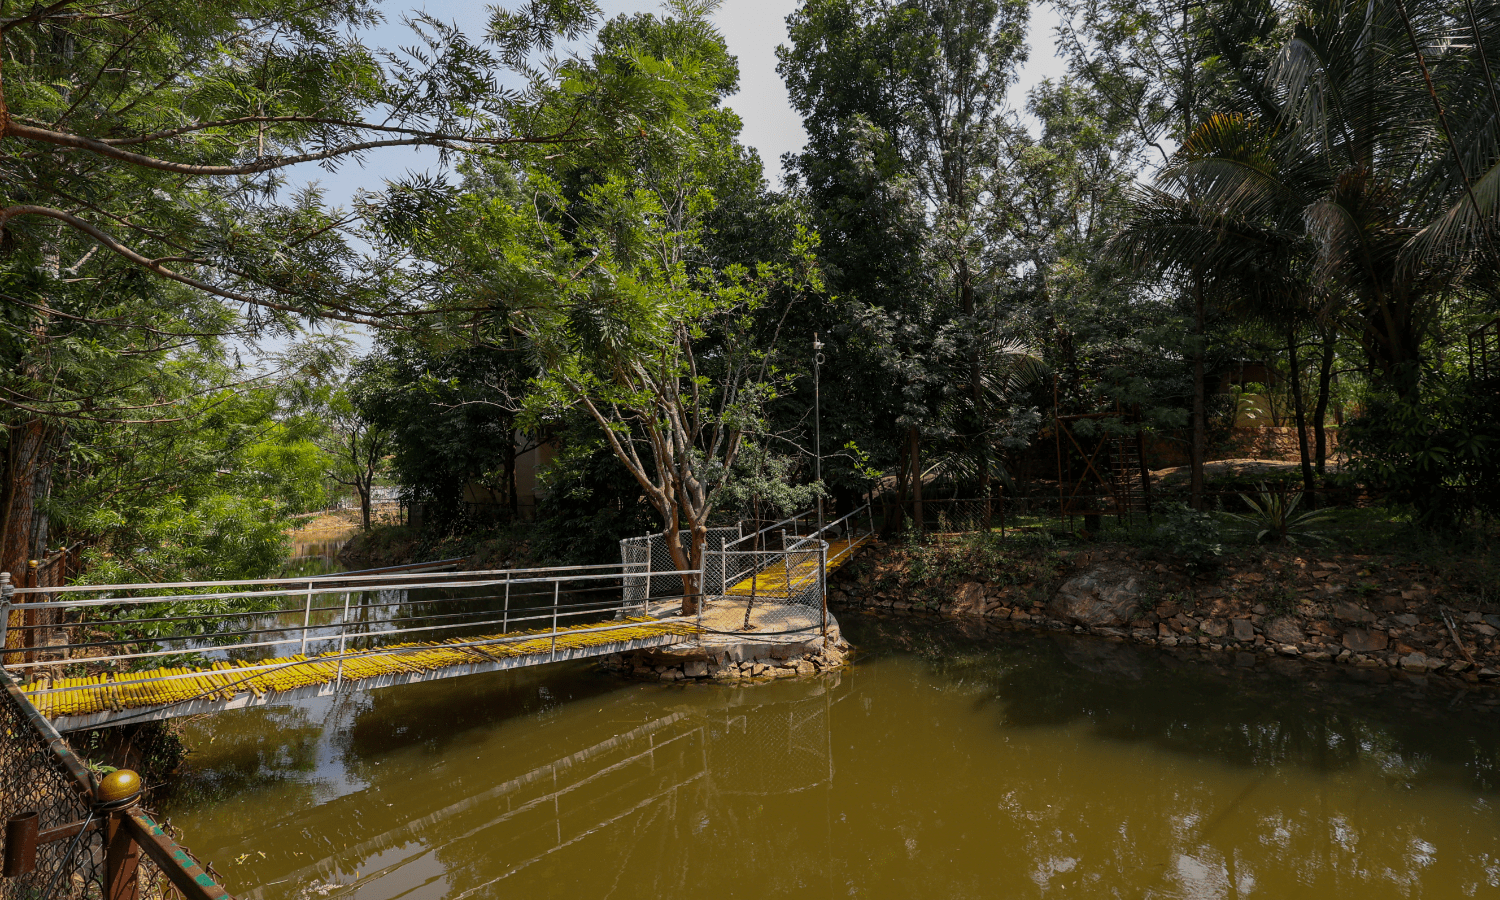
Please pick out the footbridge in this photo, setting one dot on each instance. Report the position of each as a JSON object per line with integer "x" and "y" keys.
{"x": 91, "y": 656}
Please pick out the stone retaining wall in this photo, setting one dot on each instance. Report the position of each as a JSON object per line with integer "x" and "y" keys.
{"x": 1388, "y": 621}
{"x": 740, "y": 660}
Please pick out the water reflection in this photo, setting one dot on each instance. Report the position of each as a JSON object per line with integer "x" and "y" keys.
{"x": 941, "y": 765}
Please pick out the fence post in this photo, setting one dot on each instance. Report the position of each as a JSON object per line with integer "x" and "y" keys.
{"x": 786, "y": 566}
{"x": 823, "y": 583}
{"x": 646, "y": 601}
{"x": 306, "y": 617}
{"x": 122, "y": 860}
{"x": 505, "y": 614}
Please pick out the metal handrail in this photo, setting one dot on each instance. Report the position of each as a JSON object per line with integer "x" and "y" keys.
{"x": 342, "y": 628}
{"x": 828, "y": 526}
{"x": 76, "y": 588}
{"x": 793, "y": 518}
{"x": 283, "y": 664}
{"x": 324, "y": 588}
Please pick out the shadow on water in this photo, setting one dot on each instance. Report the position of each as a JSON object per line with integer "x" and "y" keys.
{"x": 1320, "y": 717}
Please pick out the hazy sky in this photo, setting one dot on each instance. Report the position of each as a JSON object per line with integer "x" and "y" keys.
{"x": 753, "y": 29}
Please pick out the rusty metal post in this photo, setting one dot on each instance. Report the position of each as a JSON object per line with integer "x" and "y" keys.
{"x": 179, "y": 868}
{"x": 122, "y": 860}
{"x": 20, "y": 844}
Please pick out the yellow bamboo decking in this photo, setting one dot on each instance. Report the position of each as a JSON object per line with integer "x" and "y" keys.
{"x": 776, "y": 581}
{"x": 72, "y": 697}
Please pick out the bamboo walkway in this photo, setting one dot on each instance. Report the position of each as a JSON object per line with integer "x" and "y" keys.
{"x": 775, "y": 581}
{"x": 100, "y": 700}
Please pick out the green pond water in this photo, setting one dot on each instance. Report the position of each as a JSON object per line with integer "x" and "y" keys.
{"x": 940, "y": 765}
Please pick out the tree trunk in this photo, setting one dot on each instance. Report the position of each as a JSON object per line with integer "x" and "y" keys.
{"x": 28, "y": 474}
{"x": 1320, "y": 411}
{"x": 681, "y": 560}
{"x": 1299, "y": 410}
{"x": 916, "y": 478}
{"x": 1198, "y": 449}
{"x": 512, "y": 498}
{"x": 903, "y": 476}
{"x": 364, "y": 487}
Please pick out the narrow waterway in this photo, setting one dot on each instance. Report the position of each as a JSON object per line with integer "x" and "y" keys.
{"x": 938, "y": 766}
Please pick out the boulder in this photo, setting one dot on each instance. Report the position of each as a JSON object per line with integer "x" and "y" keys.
{"x": 1107, "y": 594}
{"x": 1244, "y": 629}
{"x": 1215, "y": 627}
{"x": 695, "y": 668}
{"x": 1351, "y": 612}
{"x": 969, "y": 600}
{"x": 1363, "y": 640}
{"x": 1419, "y": 663}
{"x": 1284, "y": 630}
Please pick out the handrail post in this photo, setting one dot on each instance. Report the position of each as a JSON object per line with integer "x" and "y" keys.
{"x": 343, "y": 638}
{"x": 306, "y": 618}
{"x": 30, "y": 620}
{"x": 556, "y": 588}
{"x": 505, "y": 614}
{"x": 7, "y": 592}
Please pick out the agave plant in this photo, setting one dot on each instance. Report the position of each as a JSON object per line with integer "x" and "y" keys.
{"x": 1274, "y": 517}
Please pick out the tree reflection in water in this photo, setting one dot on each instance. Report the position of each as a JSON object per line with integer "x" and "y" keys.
{"x": 942, "y": 764}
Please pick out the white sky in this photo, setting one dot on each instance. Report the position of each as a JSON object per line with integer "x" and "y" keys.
{"x": 752, "y": 28}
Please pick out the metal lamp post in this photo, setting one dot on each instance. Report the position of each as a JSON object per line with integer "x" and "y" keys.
{"x": 818, "y": 471}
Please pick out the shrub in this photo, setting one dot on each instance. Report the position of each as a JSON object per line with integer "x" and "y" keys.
{"x": 1191, "y": 536}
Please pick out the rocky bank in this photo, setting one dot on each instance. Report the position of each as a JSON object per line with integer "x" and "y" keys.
{"x": 1357, "y": 610}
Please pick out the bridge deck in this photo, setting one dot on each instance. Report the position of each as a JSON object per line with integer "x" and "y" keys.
{"x": 100, "y": 700}
{"x": 776, "y": 581}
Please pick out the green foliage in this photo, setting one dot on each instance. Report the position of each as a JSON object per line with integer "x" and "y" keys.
{"x": 591, "y": 503}
{"x": 443, "y": 405}
{"x": 766, "y": 482}
{"x": 1192, "y": 537}
{"x": 1437, "y": 452}
{"x": 1273, "y": 517}
{"x": 204, "y": 498}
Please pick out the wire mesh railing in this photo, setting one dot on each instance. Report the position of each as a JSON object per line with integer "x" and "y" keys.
{"x": 779, "y": 571}
{"x": 66, "y": 839}
{"x": 653, "y": 574}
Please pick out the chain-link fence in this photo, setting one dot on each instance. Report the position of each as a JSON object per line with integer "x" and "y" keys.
{"x": 643, "y": 556}
{"x": 40, "y": 775}
{"x": 57, "y": 839}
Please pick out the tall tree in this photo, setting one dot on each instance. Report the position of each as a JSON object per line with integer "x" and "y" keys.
{"x": 902, "y": 102}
